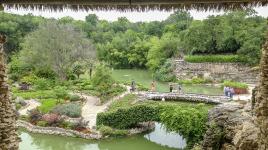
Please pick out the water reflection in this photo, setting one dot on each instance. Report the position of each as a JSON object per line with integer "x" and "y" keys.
{"x": 169, "y": 139}
{"x": 158, "y": 139}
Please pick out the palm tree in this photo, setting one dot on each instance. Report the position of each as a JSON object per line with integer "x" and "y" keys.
{"x": 8, "y": 136}
{"x": 261, "y": 107}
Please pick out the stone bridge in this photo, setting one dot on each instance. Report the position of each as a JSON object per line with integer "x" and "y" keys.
{"x": 184, "y": 97}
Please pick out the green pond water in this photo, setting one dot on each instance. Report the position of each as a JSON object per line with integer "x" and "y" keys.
{"x": 145, "y": 78}
{"x": 158, "y": 139}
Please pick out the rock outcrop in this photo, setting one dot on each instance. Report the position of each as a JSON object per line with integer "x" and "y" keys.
{"x": 8, "y": 137}
{"x": 231, "y": 127}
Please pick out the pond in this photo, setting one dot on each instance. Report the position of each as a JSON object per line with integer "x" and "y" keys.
{"x": 159, "y": 139}
{"x": 145, "y": 78}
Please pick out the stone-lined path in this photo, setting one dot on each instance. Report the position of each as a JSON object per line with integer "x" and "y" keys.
{"x": 91, "y": 107}
{"x": 31, "y": 104}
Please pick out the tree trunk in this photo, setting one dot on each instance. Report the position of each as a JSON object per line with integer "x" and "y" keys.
{"x": 261, "y": 108}
{"x": 8, "y": 136}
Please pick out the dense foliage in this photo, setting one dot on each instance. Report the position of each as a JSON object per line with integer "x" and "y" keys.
{"x": 128, "y": 117}
{"x": 214, "y": 58}
{"x": 45, "y": 48}
{"x": 71, "y": 110}
{"x": 165, "y": 72}
{"x": 123, "y": 44}
{"x": 187, "y": 119}
{"x": 235, "y": 84}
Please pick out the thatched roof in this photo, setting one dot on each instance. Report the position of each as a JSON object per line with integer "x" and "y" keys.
{"x": 138, "y": 5}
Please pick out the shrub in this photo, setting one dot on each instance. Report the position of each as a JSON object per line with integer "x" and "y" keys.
{"x": 128, "y": 117}
{"x": 17, "y": 69}
{"x": 165, "y": 72}
{"x": 78, "y": 69}
{"x": 88, "y": 87}
{"x": 81, "y": 125}
{"x": 61, "y": 92}
{"x": 40, "y": 94}
{"x": 42, "y": 84}
{"x": 18, "y": 106}
{"x": 47, "y": 105}
{"x": 24, "y": 117}
{"x": 214, "y": 58}
{"x": 235, "y": 84}
{"x": 190, "y": 121}
{"x": 74, "y": 98}
{"x": 67, "y": 125}
{"x": 102, "y": 76}
{"x": 29, "y": 79}
{"x": 35, "y": 116}
{"x": 108, "y": 131}
{"x": 51, "y": 119}
{"x": 71, "y": 110}
{"x": 195, "y": 80}
{"x": 45, "y": 73}
{"x": 42, "y": 123}
{"x": 187, "y": 119}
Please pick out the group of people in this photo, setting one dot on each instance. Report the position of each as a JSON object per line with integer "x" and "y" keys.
{"x": 172, "y": 87}
{"x": 133, "y": 86}
{"x": 228, "y": 91}
{"x": 175, "y": 88}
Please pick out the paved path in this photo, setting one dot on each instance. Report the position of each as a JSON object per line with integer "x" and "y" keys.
{"x": 31, "y": 104}
{"x": 91, "y": 107}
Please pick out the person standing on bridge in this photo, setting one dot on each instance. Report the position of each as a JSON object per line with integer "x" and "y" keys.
{"x": 153, "y": 86}
{"x": 170, "y": 87}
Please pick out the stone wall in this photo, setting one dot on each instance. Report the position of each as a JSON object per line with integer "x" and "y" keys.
{"x": 215, "y": 71}
{"x": 8, "y": 136}
{"x": 56, "y": 131}
{"x": 142, "y": 127}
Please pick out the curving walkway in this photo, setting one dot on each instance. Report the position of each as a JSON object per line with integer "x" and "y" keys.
{"x": 91, "y": 107}
{"x": 31, "y": 104}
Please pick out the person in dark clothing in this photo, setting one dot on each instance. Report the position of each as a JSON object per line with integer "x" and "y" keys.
{"x": 170, "y": 87}
{"x": 133, "y": 86}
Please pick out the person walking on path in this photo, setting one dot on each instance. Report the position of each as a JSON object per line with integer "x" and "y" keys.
{"x": 225, "y": 91}
{"x": 153, "y": 86}
{"x": 133, "y": 86}
{"x": 232, "y": 92}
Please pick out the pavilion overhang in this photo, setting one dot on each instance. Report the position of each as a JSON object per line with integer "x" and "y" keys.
{"x": 139, "y": 5}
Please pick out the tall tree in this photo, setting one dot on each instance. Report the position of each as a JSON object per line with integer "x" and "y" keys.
{"x": 8, "y": 136}
{"x": 56, "y": 46}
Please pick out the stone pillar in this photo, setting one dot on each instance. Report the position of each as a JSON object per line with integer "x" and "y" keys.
{"x": 8, "y": 132}
{"x": 261, "y": 107}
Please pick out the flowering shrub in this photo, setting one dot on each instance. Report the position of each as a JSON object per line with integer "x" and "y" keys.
{"x": 51, "y": 119}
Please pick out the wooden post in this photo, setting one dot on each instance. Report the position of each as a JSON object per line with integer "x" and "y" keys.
{"x": 261, "y": 108}
{"x": 8, "y": 132}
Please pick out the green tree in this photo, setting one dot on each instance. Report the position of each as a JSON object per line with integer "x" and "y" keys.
{"x": 56, "y": 46}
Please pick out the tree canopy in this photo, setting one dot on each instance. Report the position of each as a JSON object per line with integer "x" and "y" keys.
{"x": 57, "y": 47}
{"x": 124, "y": 44}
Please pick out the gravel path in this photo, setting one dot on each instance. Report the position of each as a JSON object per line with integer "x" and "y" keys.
{"x": 31, "y": 104}
{"x": 91, "y": 107}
